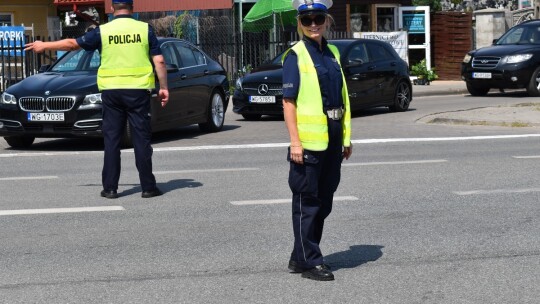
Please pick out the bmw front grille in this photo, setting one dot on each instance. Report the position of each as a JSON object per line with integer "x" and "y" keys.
{"x": 52, "y": 104}
{"x": 32, "y": 104}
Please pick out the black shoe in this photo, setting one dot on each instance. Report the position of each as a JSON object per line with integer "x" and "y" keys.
{"x": 109, "y": 193}
{"x": 318, "y": 273}
{"x": 293, "y": 266}
{"x": 151, "y": 193}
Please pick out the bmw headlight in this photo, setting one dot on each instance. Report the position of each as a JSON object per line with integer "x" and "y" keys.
{"x": 8, "y": 99}
{"x": 239, "y": 84}
{"x": 467, "y": 58}
{"x": 516, "y": 58}
{"x": 91, "y": 100}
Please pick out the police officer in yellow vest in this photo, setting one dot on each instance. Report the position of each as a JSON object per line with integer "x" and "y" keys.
{"x": 318, "y": 118}
{"x": 128, "y": 49}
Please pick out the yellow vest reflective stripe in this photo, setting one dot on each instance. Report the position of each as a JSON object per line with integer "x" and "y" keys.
{"x": 310, "y": 118}
{"x": 125, "y": 57}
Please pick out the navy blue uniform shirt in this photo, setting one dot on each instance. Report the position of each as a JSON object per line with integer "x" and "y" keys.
{"x": 92, "y": 40}
{"x": 328, "y": 72}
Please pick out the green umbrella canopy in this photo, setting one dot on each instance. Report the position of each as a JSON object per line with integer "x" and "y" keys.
{"x": 261, "y": 16}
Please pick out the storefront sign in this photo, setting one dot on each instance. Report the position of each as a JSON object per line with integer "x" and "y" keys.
{"x": 398, "y": 40}
{"x": 414, "y": 23}
{"x": 12, "y": 37}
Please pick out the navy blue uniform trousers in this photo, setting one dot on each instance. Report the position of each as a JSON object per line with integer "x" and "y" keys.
{"x": 313, "y": 185}
{"x": 120, "y": 106}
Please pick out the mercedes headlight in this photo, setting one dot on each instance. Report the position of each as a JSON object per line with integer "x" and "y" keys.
{"x": 467, "y": 58}
{"x": 8, "y": 99}
{"x": 516, "y": 58}
{"x": 91, "y": 100}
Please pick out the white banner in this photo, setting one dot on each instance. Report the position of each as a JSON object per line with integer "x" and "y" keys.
{"x": 398, "y": 40}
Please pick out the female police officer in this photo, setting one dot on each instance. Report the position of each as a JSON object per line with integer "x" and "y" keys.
{"x": 317, "y": 116}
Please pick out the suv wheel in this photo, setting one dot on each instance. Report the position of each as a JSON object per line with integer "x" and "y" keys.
{"x": 533, "y": 89}
{"x": 20, "y": 142}
{"x": 477, "y": 90}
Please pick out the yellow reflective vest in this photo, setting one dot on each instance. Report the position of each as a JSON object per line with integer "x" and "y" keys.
{"x": 125, "y": 56}
{"x": 310, "y": 117}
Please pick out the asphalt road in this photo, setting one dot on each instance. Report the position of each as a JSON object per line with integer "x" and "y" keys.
{"x": 424, "y": 214}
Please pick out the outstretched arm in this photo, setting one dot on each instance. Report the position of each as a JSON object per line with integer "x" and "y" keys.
{"x": 60, "y": 45}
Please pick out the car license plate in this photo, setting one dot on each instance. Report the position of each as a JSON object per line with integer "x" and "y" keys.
{"x": 45, "y": 116}
{"x": 262, "y": 99}
{"x": 481, "y": 75}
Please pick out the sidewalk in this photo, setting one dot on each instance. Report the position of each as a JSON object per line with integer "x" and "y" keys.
{"x": 440, "y": 87}
{"x": 519, "y": 115}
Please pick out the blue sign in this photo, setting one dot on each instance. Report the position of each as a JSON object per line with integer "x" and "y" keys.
{"x": 12, "y": 40}
{"x": 414, "y": 23}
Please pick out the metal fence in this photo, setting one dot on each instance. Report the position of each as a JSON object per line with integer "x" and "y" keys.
{"x": 215, "y": 32}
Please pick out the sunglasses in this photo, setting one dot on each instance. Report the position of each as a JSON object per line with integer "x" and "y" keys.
{"x": 318, "y": 19}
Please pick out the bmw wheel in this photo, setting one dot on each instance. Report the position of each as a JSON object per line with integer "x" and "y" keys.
{"x": 533, "y": 89}
{"x": 216, "y": 114}
{"x": 402, "y": 98}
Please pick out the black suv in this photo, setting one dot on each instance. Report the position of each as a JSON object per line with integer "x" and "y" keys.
{"x": 512, "y": 62}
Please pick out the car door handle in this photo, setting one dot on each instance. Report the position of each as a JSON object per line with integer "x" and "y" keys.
{"x": 371, "y": 68}
{"x": 183, "y": 77}
{"x": 393, "y": 63}
{"x": 206, "y": 72}
{"x": 358, "y": 76}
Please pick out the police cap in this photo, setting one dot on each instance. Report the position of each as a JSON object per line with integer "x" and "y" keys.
{"x": 122, "y": 1}
{"x": 311, "y": 7}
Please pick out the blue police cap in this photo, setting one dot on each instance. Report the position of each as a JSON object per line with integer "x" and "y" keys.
{"x": 309, "y": 7}
{"x": 122, "y": 1}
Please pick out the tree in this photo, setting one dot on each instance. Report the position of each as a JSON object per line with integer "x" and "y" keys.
{"x": 435, "y": 5}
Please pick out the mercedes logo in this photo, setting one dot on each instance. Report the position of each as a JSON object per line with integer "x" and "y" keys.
{"x": 263, "y": 89}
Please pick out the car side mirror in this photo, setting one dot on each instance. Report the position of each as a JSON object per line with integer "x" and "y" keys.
{"x": 171, "y": 68}
{"x": 494, "y": 41}
{"x": 44, "y": 68}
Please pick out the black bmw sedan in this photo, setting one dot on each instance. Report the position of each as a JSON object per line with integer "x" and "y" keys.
{"x": 512, "y": 62}
{"x": 375, "y": 74}
{"x": 64, "y": 101}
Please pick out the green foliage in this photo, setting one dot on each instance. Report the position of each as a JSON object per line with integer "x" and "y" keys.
{"x": 420, "y": 70}
{"x": 179, "y": 25}
{"x": 435, "y": 5}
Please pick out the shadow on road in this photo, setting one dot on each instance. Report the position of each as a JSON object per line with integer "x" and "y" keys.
{"x": 354, "y": 257}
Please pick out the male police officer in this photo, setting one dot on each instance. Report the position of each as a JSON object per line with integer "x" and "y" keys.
{"x": 125, "y": 78}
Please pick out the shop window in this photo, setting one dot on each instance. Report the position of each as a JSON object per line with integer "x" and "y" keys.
{"x": 386, "y": 19}
{"x": 6, "y": 19}
{"x": 360, "y": 18}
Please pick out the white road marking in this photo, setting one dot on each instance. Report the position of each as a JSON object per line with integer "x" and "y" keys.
{"x": 27, "y": 178}
{"x": 279, "y": 145}
{"x": 497, "y": 191}
{"x": 60, "y": 210}
{"x": 206, "y": 171}
{"x": 409, "y": 162}
{"x": 285, "y": 201}
{"x": 527, "y": 157}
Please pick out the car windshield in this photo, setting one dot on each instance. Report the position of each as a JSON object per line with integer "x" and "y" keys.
{"x": 521, "y": 35}
{"x": 79, "y": 60}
